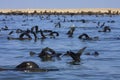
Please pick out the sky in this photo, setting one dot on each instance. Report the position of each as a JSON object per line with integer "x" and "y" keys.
{"x": 37, "y": 4}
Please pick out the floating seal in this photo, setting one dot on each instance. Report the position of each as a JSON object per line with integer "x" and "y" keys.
{"x": 85, "y": 37}
{"x": 28, "y": 66}
{"x": 76, "y": 56}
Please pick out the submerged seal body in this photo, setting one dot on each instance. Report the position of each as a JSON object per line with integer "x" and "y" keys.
{"x": 28, "y": 66}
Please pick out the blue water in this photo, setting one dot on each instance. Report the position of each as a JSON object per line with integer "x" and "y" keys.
{"x": 106, "y": 66}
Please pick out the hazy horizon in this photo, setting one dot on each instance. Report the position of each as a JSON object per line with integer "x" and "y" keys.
{"x": 58, "y": 4}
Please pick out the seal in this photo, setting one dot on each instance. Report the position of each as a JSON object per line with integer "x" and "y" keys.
{"x": 71, "y": 31}
{"x": 47, "y": 54}
{"x": 105, "y": 29}
{"x": 76, "y": 56}
{"x": 28, "y": 66}
{"x": 53, "y": 34}
{"x": 58, "y": 25}
{"x": 35, "y": 29}
{"x": 21, "y": 36}
{"x": 85, "y": 36}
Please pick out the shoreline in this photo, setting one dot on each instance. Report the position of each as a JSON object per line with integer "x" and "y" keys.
{"x": 80, "y": 10}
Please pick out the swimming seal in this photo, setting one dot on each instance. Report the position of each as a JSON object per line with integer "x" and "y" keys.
{"x": 76, "y": 56}
{"x": 105, "y": 29}
{"x": 47, "y": 54}
{"x": 28, "y": 66}
{"x": 85, "y": 36}
{"x": 21, "y": 36}
{"x": 71, "y": 31}
{"x": 34, "y": 29}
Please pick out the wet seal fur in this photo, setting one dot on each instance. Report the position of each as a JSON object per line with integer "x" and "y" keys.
{"x": 76, "y": 56}
{"x": 85, "y": 36}
{"x": 28, "y": 66}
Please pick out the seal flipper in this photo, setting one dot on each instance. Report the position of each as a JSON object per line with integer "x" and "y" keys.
{"x": 74, "y": 56}
{"x": 79, "y": 53}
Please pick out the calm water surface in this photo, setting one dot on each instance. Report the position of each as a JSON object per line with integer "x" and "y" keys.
{"x": 106, "y": 66}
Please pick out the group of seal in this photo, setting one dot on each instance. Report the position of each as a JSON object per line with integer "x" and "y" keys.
{"x": 26, "y": 34}
{"x": 52, "y": 34}
{"x": 30, "y": 66}
{"x": 47, "y": 53}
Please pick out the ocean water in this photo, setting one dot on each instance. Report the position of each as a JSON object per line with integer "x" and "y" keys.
{"x": 105, "y": 66}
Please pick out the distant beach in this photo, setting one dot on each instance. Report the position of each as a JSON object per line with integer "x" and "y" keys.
{"x": 81, "y": 10}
